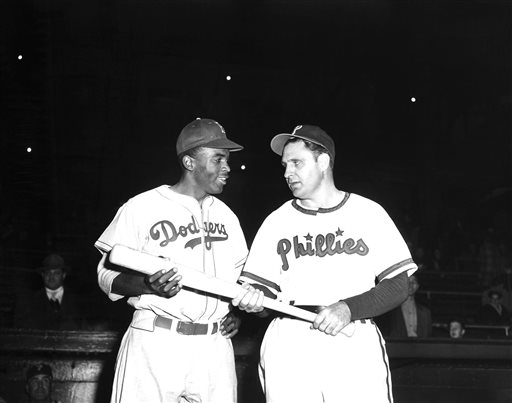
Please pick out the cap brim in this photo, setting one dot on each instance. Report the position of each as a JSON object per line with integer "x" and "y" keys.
{"x": 279, "y": 140}
{"x": 224, "y": 144}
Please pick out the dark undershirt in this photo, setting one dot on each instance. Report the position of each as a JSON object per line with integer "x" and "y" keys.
{"x": 386, "y": 295}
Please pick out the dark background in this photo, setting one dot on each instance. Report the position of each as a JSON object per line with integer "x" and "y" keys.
{"x": 104, "y": 87}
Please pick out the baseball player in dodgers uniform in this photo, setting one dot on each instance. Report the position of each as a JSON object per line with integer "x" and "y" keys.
{"x": 177, "y": 348}
{"x": 334, "y": 253}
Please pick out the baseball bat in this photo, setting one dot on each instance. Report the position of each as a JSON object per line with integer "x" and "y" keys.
{"x": 148, "y": 264}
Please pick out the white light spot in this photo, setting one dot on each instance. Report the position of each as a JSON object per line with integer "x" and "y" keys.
{"x": 228, "y": 78}
{"x": 29, "y": 149}
{"x": 413, "y": 99}
{"x": 242, "y": 167}
{"x": 20, "y": 57}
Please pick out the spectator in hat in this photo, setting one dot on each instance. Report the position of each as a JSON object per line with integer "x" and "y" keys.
{"x": 38, "y": 385}
{"x": 494, "y": 312}
{"x": 54, "y": 306}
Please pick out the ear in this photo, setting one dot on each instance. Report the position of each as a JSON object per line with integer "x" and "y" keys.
{"x": 323, "y": 161}
{"x": 188, "y": 162}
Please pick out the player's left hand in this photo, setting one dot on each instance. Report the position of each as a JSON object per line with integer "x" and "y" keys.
{"x": 230, "y": 325}
{"x": 332, "y": 319}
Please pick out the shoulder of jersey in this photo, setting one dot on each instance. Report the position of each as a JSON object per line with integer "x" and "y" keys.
{"x": 363, "y": 201}
{"x": 143, "y": 196}
{"x": 286, "y": 206}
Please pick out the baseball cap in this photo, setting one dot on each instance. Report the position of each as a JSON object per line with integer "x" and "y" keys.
{"x": 39, "y": 369}
{"x": 53, "y": 261}
{"x": 204, "y": 133}
{"x": 306, "y": 132}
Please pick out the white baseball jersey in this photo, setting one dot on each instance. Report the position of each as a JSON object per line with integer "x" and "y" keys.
{"x": 206, "y": 237}
{"x": 156, "y": 364}
{"x": 318, "y": 257}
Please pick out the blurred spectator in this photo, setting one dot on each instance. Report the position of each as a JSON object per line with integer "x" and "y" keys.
{"x": 54, "y": 306}
{"x": 502, "y": 284}
{"x": 437, "y": 260}
{"x": 456, "y": 328}
{"x": 493, "y": 312}
{"x": 410, "y": 319}
{"x": 38, "y": 384}
{"x": 492, "y": 258}
{"x": 420, "y": 257}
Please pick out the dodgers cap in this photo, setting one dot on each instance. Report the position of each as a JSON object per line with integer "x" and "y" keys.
{"x": 306, "y": 132}
{"x": 204, "y": 133}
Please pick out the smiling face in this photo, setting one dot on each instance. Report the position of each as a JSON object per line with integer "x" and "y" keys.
{"x": 303, "y": 173}
{"x": 211, "y": 170}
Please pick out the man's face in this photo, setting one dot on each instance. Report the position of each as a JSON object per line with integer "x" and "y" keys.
{"x": 212, "y": 170}
{"x": 302, "y": 172}
{"x": 413, "y": 285}
{"x": 495, "y": 299}
{"x": 456, "y": 330}
{"x": 53, "y": 278}
{"x": 39, "y": 387}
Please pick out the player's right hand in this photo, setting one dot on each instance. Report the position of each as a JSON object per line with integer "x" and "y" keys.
{"x": 164, "y": 283}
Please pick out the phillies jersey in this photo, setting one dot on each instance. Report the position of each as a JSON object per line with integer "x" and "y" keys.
{"x": 318, "y": 257}
{"x": 205, "y": 236}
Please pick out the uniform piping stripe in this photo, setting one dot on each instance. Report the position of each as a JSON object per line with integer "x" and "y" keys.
{"x": 241, "y": 261}
{"x": 386, "y": 364}
{"x": 261, "y": 280}
{"x": 103, "y": 246}
{"x": 395, "y": 267}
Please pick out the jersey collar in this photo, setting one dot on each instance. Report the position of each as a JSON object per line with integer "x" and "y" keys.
{"x": 321, "y": 210}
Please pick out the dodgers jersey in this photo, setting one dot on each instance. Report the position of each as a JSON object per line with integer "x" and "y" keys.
{"x": 204, "y": 236}
{"x": 318, "y": 257}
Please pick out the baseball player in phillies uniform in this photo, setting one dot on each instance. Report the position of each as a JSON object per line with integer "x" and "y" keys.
{"x": 335, "y": 253}
{"x": 177, "y": 347}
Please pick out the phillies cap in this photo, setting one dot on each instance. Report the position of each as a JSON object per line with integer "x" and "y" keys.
{"x": 204, "y": 133}
{"x": 305, "y": 132}
{"x": 39, "y": 369}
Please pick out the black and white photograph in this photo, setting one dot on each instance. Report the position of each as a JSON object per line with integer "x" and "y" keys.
{"x": 268, "y": 201}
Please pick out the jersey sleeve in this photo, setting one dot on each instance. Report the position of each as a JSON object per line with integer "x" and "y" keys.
{"x": 120, "y": 231}
{"x": 262, "y": 266}
{"x": 390, "y": 249}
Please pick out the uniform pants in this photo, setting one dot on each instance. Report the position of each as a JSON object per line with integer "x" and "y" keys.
{"x": 303, "y": 365}
{"x": 161, "y": 365}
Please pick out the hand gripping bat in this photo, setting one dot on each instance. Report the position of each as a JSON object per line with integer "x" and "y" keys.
{"x": 149, "y": 264}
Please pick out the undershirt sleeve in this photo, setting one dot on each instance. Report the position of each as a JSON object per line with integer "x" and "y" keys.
{"x": 385, "y": 296}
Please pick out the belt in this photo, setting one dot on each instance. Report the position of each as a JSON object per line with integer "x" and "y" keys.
{"x": 186, "y": 328}
{"x": 318, "y": 308}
